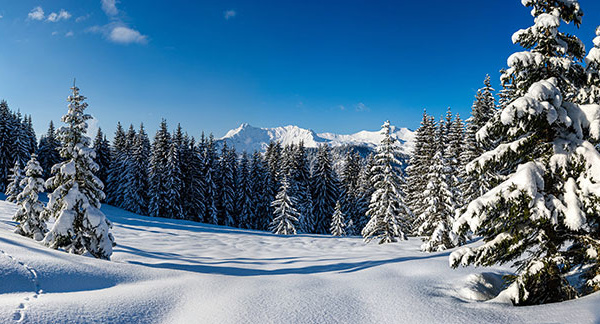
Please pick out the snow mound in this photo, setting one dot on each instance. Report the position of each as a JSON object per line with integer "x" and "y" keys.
{"x": 173, "y": 271}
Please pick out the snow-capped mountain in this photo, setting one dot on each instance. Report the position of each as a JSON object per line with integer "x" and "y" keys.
{"x": 249, "y": 138}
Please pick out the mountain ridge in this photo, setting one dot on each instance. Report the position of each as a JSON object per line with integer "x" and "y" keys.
{"x": 249, "y": 138}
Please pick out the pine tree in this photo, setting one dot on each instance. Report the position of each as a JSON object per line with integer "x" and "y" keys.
{"x": 210, "y": 176}
{"x": 136, "y": 197}
{"x": 47, "y": 152}
{"x": 198, "y": 179}
{"x": 159, "y": 172}
{"x": 301, "y": 177}
{"x": 20, "y": 141}
{"x": 544, "y": 215}
{"x": 173, "y": 185}
{"x": 418, "y": 167}
{"x": 29, "y": 214}
{"x": 590, "y": 93}
{"x": 80, "y": 226}
{"x": 14, "y": 186}
{"x": 483, "y": 109}
{"x": 325, "y": 188}
{"x": 244, "y": 210}
{"x": 389, "y": 215}
{"x": 365, "y": 192}
{"x": 116, "y": 174}
{"x": 6, "y": 147}
{"x": 285, "y": 215}
{"x": 102, "y": 149}
{"x": 338, "y": 220}
{"x": 352, "y": 205}
{"x": 226, "y": 186}
{"x": 258, "y": 174}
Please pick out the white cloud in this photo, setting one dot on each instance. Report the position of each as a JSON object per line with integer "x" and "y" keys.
{"x": 1, "y": 16}
{"x": 110, "y": 7}
{"x": 229, "y": 14}
{"x": 126, "y": 35}
{"x": 362, "y": 107}
{"x": 36, "y": 13}
{"x": 54, "y": 33}
{"x": 69, "y": 34}
{"x": 82, "y": 18}
{"x": 61, "y": 15}
{"x": 342, "y": 107}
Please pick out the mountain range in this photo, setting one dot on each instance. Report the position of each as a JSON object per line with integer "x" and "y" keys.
{"x": 249, "y": 138}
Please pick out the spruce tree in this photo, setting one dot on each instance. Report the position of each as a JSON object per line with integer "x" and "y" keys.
{"x": 227, "y": 171}
{"x": 258, "y": 174}
{"x": 116, "y": 174}
{"x": 325, "y": 190}
{"x": 47, "y": 153}
{"x": 211, "y": 176}
{"x": 158, "y": 172}
{"x": 285, "y": 215}
{"x": 136, "y": 195}
{"x": 6, "y": 147}
{"x": 350, "y": 182}
{"x": 544, "y": 215}
{"x": 29, "y": 214}
{"x": 338, "y": 221}
{"x": 389, "y": 215}
{"x": 80, "y": 226}
{"x": 301, "y": 176}
{"x": 418, "y": 167}
{"x": 590, "y": 93}
{"x": 102, "y": 149}
{"x": 14, "y": 186}
{"x": 244, "y": 199}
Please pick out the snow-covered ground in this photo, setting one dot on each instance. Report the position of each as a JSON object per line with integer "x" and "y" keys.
{"x": 167, "y": 271}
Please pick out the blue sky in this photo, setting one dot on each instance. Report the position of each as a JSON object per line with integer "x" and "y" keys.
{"x": 338, "y": 66}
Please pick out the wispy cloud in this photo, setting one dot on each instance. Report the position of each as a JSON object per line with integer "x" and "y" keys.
{"x": 228, "y": 14}
{"x": 54, "y": 33}
{"x": 70, "y": 34}
{"x": 362, "y": 107}
{"x": 1, "y": 16}
{"x": 36, "y": 13}
{"x": 342, "y": 107}
{"x": 126, "y": 35}
{"x": 82, "y": 18}
{"x": 61, "y": 15}
{"x": 110, "y": 7}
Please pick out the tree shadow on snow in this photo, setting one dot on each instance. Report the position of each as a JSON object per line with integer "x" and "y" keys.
{"x": 342, "y": 267}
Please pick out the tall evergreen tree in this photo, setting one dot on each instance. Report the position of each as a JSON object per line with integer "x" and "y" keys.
{"x": 338, "y": 221}
{"x": 258, "y": 174}
{"x": 29, "y": 214}
{"x": 227, "y": 180}
{"x": 103, "y": 154}
{"x": 47, "y": 152}
{"x": 210, "y": 176}
{"x": 544, "y": 215}
{"x": 301, "y": 177}
{"x": 418, "y": 167}
{"x": 244, "y": 199}
{"x": 6, "y": 147}
{"x": 285, "y": 215}
{"x": 389, "y": 215}
{"x": 136, "y": 198}
{"x": 80, "y": 226}
{"x": 14, "y": 186}
{"x": 116, "y": 174}
{"x": 159, "y": 187}
{"x": 325, "y": 190}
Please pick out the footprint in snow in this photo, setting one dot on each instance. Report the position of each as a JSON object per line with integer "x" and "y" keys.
{"x": 19, "y": 314}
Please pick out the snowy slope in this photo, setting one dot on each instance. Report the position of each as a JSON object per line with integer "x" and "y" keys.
{"x": 249, "y": 138}
{"x": 168, "y": 271}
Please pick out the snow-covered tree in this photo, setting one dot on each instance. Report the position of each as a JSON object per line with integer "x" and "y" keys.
{"x": 227, "y": 173}
{"x": 135, "y": 197}
{"x": 245, "y": 212}
{"x": 325, "y": 190}
{"x": 418, "y": 168}
{"x": 590, "y": 93}
{"x": 544, "y": 215}
{"x": 158, "y": 172}
{"x": 338, "y": 221}
{"x": 389, "y": 216}
{"x": 47, "y": 153}
{"x": 103, "y": 155}
{"x": 29, "y": 214}
{"x": 14, "y": 186}
{"x": 285, "y": 215}
{"x": 258, "y": 174}
{"x": 211, "y": 176}
{"x": 80, "y": 226}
